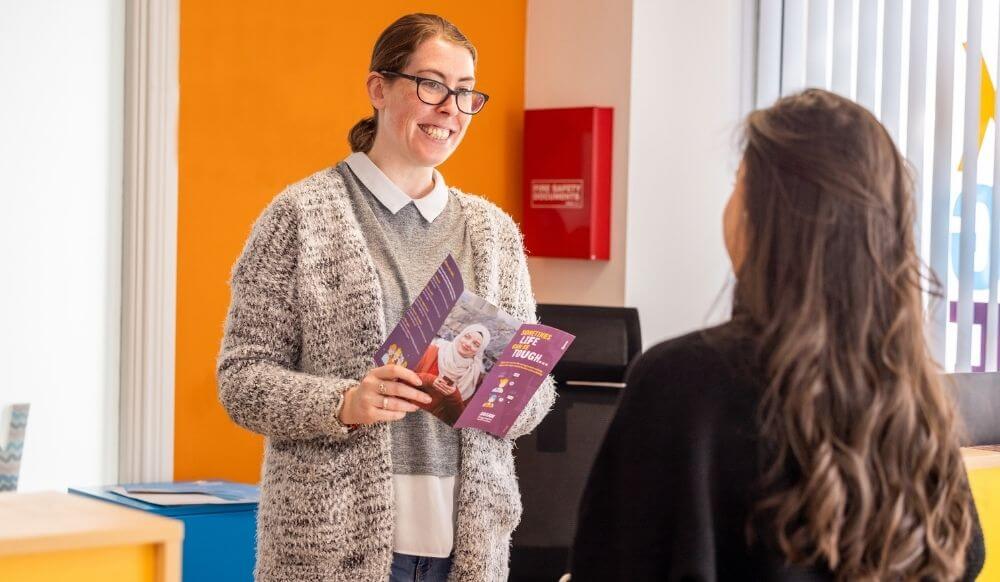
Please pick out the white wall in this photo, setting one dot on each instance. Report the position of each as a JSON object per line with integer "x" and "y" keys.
{"x": 676, "y": 73}
{"x": 577, "y": 54}
{"x": 687, "y": 85}
{"x": 61, "y": 79}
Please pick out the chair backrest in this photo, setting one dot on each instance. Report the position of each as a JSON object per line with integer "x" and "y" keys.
{"x": 554, "y": 461}
{"x": 977, "y": 396}
{"x": 607, "y": 340}
{"x": 10, "y": 453}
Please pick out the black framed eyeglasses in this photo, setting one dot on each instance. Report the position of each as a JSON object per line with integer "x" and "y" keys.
{"x": 434, "y": 92}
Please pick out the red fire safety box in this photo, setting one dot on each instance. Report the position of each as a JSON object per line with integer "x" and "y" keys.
{"x": 567, "y": 182}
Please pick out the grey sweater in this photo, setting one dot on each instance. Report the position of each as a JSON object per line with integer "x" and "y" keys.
{"x": 407, "y": 250}
{"x": 305, "y": 318}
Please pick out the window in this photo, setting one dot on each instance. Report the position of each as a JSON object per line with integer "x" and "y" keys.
{"x": 927, "y": 69}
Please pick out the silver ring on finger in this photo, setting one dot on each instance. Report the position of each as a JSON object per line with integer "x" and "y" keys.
{"x": 385, "y": 403}
{"x": 381, "y": 388}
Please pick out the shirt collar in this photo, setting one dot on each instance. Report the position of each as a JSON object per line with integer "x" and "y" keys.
{"x": 430, "y": 206}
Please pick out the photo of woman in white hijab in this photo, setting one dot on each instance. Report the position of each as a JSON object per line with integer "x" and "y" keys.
{"x": 451, "y": 371}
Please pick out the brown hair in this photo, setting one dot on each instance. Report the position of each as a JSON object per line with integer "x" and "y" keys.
{"x": 863, "y": 468}
{"x": 392, "y": 52}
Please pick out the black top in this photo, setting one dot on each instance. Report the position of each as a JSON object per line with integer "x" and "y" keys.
{"x": 674, "y": 482}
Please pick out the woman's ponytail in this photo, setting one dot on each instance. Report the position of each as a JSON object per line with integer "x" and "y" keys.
{"x": 362, "y": 135}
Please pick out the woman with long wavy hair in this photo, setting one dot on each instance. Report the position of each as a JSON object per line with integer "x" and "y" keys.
{"x": 810, "y": 437}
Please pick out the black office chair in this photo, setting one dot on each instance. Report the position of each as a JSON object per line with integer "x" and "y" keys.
{"x": 977, "y": 396}
{"x": 554, "y": 461}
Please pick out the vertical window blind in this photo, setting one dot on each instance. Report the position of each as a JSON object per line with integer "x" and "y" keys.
{"x": 926, "y": 69}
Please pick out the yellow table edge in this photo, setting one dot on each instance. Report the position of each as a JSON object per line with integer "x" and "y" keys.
{"x": 983, "y": 467}
{"x": 51, "y": 521}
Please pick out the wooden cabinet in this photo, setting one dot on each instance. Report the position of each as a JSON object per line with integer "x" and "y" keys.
{"x": 57, "y": 536}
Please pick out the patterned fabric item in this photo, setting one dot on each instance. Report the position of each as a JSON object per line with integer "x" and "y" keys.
{"x": 10, "y": 454}
{"x": 304, "y": 320}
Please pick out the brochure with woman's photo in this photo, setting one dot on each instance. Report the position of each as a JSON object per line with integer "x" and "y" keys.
{"x": 479, "y": 365}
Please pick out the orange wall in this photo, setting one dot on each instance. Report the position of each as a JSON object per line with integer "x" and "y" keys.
{"x": 268, "y": 92}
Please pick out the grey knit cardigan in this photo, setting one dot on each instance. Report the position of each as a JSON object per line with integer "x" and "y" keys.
{"x": 304, "y": 320}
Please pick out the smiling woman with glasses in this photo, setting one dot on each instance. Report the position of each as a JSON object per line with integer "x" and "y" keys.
{"x": 358, "y": 482}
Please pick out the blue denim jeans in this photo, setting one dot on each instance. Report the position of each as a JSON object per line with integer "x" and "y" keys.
{"x": 407, "y": 568}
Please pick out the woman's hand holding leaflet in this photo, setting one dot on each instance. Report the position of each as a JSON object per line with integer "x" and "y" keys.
{"x": 385, "y": 394}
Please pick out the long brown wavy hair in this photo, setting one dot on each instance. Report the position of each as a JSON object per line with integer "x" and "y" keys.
{"x": 863, "y": 472}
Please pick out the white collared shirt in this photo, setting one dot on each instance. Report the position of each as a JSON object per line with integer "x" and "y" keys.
{"x": 430, "y": 206}
{"x": 425, "y": 504}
